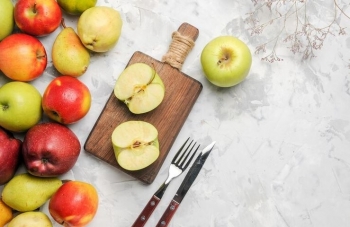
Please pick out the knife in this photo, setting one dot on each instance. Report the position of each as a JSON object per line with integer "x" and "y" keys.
{"x": 185, "y": 186}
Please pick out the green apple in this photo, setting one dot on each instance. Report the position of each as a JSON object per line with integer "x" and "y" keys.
{"x": 140, "y": 88}
{"x": 6, "y": 18}
{"x": 226, "y": 61}
{"x": 20, "y": 106}
{"x": 99, "y": 28}
{"x": 135, "y": 144}
{"x": 76, "y": 7}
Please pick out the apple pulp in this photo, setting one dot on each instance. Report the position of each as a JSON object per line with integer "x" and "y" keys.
{"x": 140, "y": 88}
{"x": 226, "y": 61}
{"x": 135, "y": 144}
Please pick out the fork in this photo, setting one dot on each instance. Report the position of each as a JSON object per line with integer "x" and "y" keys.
{"x": 178, "y": 165}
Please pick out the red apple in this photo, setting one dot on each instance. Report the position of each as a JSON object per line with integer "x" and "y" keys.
{"x": 22, "y": 57}
{"x": 66, "y": 100}
{"x": 37, "y": 17}
{"x": 10, "y": 148}
{"x": 50, "y": 149}
{"x": 74, "y": 204}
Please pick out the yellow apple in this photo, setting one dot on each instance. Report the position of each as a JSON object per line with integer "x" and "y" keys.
{"x": 226, "y": 61}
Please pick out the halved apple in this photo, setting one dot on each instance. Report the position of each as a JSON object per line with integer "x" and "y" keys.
{"x": 140, "y": 88}
{"x": 135, "y": 144}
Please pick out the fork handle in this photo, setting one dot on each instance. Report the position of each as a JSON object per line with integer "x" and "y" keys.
{"x": 168, "y": 214}
{"x": 146, "y": 212}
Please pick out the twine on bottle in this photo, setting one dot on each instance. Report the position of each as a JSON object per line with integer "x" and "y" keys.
{"x": 178, "y": 50}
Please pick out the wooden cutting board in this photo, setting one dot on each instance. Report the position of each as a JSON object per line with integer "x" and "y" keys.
{"x": 181, "y": 92}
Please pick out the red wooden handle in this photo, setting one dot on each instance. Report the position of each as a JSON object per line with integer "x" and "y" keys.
{"x": 146, "y": 212}
{"x": 168, "y": 214}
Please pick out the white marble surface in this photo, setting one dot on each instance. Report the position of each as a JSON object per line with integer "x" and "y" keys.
{"x": 282, "y": 156}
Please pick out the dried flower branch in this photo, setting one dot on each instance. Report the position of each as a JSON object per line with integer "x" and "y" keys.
{"x": 303, "y": 32}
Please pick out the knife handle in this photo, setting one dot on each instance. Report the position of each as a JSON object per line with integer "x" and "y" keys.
{"x": 168, "y": 214}
{"x": 146, "y": 212}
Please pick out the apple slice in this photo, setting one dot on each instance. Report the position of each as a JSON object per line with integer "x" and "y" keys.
{"x": 140, "y": 88}
{"x": 135, "y": 144}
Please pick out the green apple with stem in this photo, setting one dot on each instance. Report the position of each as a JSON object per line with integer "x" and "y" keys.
{"x": 226, "y": 61}
{"x": 135, "y": 144}
{"x": 140, "y": 87}
{"x": 20, "y": 106}
{"x": 6, "y": 18}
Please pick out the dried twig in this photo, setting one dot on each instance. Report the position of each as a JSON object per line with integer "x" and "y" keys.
{"x": 302, "y": 33}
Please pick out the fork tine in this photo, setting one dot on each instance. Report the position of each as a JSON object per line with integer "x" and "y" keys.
{"x": 183, "y": 159}
{"x": 189, "y": 161}
{"x": 179, "y": 151}
{"x": 183, "y": 153}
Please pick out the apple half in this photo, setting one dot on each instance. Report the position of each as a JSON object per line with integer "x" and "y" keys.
{"x": 140, "y": 88}
{"x": 135, "y": 144}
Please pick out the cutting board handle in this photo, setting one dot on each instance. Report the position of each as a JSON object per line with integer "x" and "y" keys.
{"x": 182, "y": 43}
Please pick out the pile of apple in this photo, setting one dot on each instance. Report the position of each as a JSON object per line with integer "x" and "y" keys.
{"x": 49, "y": 149}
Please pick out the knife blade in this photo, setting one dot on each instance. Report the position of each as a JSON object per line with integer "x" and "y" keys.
{"x": 185, "y": 186}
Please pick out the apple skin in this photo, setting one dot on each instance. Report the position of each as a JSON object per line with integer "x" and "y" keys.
{"x": 10, "y": 151}
{"x": 50, "y": 149}
{"x": 6, "y": 18}
{"x": 66, "y": 100}
{"x": 22, "y": 57}
{"x": 226, "y": 61}
{"x": 76, "y": 7}
{"x": 6, "y": 213}
{"x": 99, "y": 28}
{"x": 37, "y": 17}
{"x": 20, "y": 106}
{"x": 74, "y": 204}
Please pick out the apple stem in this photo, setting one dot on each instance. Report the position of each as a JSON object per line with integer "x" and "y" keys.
{"x": 5, "y": 107}
{"x": 34, "y": 8}
{"x": 65, "y": 181}
{"x": 62, "y": 23}
{"x": 222, "y": 60}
